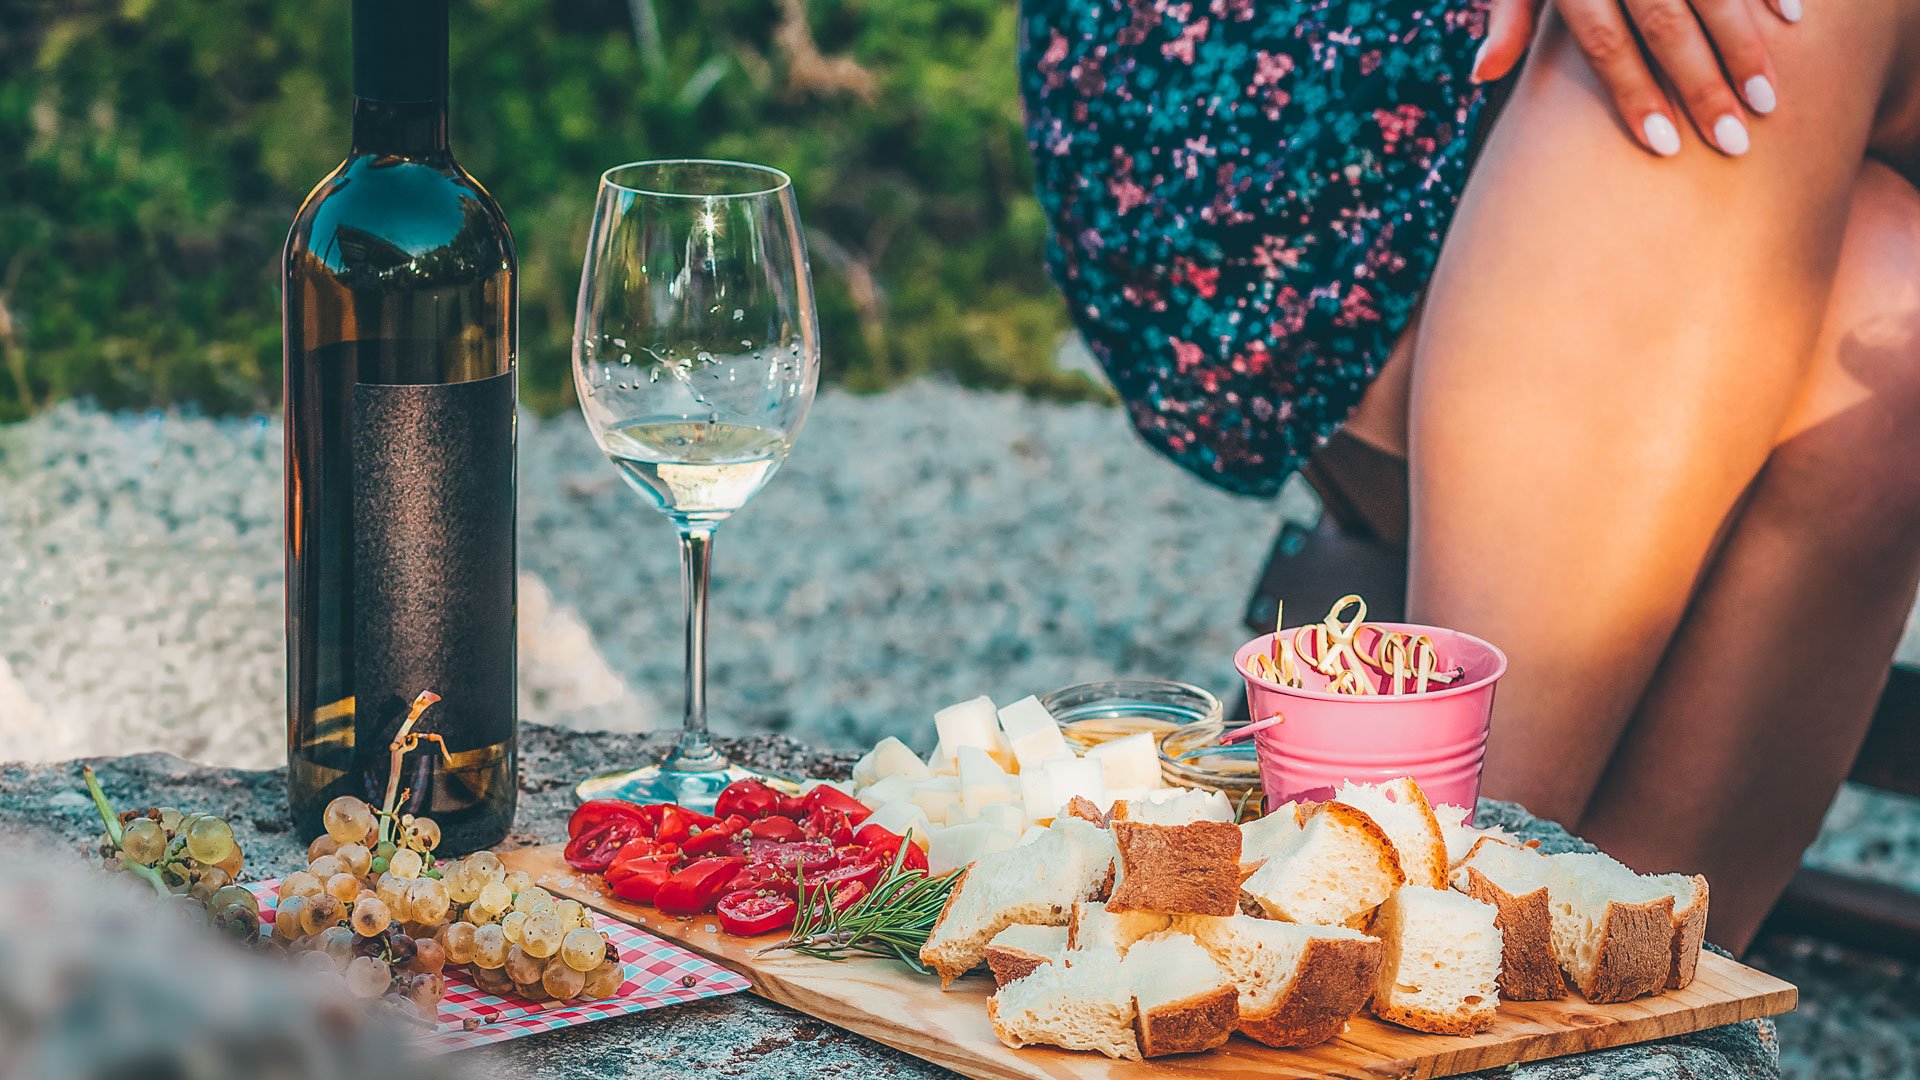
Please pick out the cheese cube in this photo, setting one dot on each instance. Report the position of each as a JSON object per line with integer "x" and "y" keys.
{"x": 972, "y": 723}
{"x": 959, "y": 845}
{"x": 1032, "y": 734}
{"x": 891, "y": 757}
{"x": 941, "y": 763}
{"x": 1074, "y": 776}
{"x": 938, "y": 796}
{"x": 863, "y": 773}
{"x": 892, "y": 789}
{"x": 1011, "y": 816}
{"x": 1129, "y": 762}
{"x": 1035, "y": 794}
{"x": 903, "y": 819}
{"x": 982, "y": 780}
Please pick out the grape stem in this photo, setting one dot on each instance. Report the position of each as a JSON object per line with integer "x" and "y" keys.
{"x": 111, "y": 819}
{"x": 405, "y": 741}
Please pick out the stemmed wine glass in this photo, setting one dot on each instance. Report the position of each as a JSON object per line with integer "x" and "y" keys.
{"x": 696, "y": 352}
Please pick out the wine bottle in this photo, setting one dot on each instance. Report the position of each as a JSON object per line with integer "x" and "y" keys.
{"x": 399, "y": 316}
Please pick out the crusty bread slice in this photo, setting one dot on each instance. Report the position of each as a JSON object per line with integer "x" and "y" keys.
{"x": 1689, "y": 925}
{"x": 1174, "y": 807}
{"x": 1334, "y": 871}
{"x": 1299, "y": 985}
{"x": 1612, "y": 928}
{"x": 1183, "y": 1002}
{"x": 1191, "y": 869}
{"x": 1015, "y": 952}
{"x": 1035, "y": 883}
{"x": 1442, "y": 964}
{"x": 1086, "y": 810}
{"x": 1084, "y": 1003}
{"x": 1401, "y": 808}
{"x": 1461, "y": 836}
{"x": 1264, "y": 837}
{"x": 1092, "y": 926}
{"x": 1515, "y": 881}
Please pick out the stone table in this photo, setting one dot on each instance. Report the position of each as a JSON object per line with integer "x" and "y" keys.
{"x": 739, "y": 1035}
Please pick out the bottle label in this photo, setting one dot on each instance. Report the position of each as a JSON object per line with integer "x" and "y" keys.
{"x": 433, "y": 560}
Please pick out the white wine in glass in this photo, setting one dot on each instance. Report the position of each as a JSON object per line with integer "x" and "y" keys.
{"x": 696, "y": 353}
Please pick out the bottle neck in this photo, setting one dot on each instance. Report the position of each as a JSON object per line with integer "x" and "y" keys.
{"x": 400, "y": 128}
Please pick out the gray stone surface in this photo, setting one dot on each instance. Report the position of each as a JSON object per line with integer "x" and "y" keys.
{"x": 736, "y": 1036}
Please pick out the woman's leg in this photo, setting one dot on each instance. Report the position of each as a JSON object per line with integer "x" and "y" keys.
{"x": 1758, "y": 708}
{"x": 1609, "y": 352}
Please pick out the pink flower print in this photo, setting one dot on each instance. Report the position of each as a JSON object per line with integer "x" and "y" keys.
{"x": 1181, "y": 48}
{"x": 1274, "y": 256}
{"x": 1126, "y": 194}
{"x": 1397, "y": 124}
{"x": 1186, "y": 355}
{"x": 1051, "y": 60}
{"x": 1205, "y": 280}
{"x": 1356, "y": 307}
{"x": 1270, "y": 68}
{"x": 1370, "y": 61}
{"x": 1237, "y": 10}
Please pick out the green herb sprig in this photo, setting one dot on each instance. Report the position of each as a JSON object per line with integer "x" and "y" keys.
{"x": 891, "y": 922}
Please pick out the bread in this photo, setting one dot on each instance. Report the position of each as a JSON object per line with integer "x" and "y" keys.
{"x": 1266, "y": 836}
{"x": 1086, "y": 810}
{"x": 1015, "y": 952}
{"x": 1461, "y": 836}
{"x": 1191, "y": 869}
{"x": 1442, "y": 964}
{"x": 1515, "y": 881}
{"x": 1333, "y": 871}
{"x": 1689, "y": 925}
{"x": 1613, "y": 929}
{"x": 1085, "y": 1004}
{"x": 1174, "y": 806}
{"x": 1092, "y": 926}
{"x": 1299, "y": 985}
{"x": 1401, "y": 808}
{"x": 1035, "y": 883}
{"x": 1183, "y": 1002}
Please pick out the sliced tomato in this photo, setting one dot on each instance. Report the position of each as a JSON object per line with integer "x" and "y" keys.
{"x": 595, "y": 813}
{"x": 811, "y": 856}
{"x": 640, "y": 879}
{"x": 776, "y": 828}
{"x": 677, "y": 823}
{"x": 748, "y": 798}
{"x": 593, "y": 849}
{"x": 695, "y": 887}
{"x": 792, "y": 806}
{"x": 888, "y": 844}
{"x": 764, "y": 877}
{"x": 860, "y": 868}
{"x": 841, "y": 896}
{"x": 747, "y": 913}
{"x": 833, "y": 800}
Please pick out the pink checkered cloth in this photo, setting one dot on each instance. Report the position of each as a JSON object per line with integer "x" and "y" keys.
{"x": 658, "y": 973}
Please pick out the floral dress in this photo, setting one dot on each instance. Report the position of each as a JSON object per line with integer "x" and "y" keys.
{"x": 1247, "y": 198}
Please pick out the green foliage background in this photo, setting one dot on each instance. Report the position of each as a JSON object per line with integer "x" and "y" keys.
{"x": 152, "y": 153}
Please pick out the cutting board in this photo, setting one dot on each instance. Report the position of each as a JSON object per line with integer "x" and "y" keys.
{"x": 889, "y": 1003}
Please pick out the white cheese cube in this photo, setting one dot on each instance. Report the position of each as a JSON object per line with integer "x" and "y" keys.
{"x": 890, "y": 790}
{"x": 1129, "y": 762}
{"x": 891, "y": 757}
{"x": 863, "y": 773}
{"x": 938, "y": 796}
{"x": 903, "y": 819}
{"x": 1035, "y": 794}
{"x": 982, "y": 780}
{"x": 961, "y": 814}
{"x": 972, "y": 723}
{"x": 1071, "y": 777}
{"x": 959, "y": 845}
{"x": 1032, "y": 734}
{"x": 1011, "y": 816}
{"x": 941, "y": 763}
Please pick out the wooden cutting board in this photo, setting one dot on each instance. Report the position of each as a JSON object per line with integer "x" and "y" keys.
{"x": 889, "y": 1003}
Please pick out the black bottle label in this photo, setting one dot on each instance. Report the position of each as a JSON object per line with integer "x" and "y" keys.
{"x": 433, "y": 561}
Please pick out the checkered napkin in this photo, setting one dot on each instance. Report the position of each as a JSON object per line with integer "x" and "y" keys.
{"x": 658, "y": 973}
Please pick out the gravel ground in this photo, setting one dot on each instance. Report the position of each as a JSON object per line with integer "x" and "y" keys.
{"x": 920, "y": 547}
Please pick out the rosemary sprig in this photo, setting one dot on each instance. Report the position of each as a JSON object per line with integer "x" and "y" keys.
{"x": 892, "y": 921}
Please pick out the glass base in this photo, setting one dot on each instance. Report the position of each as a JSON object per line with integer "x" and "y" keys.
{"x": 658, "y": 784}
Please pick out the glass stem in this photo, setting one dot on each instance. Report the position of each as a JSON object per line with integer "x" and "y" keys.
{"x": 695, "y": 753}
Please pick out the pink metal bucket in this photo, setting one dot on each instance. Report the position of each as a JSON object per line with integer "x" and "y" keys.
{"x": 1439, "y": 738}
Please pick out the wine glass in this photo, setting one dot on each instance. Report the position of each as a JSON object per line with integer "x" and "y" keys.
{"x": 696, "y": 352}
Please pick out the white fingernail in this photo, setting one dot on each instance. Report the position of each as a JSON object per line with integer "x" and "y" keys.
{"x": 1760, "y": 95}
{"x": 1790, "y": 9}
{"x": 1661, "y": 135}
{"x": 1730, "y": 134}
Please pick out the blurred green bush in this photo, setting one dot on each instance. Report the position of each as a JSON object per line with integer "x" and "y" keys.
{"x": 152, "y": 153}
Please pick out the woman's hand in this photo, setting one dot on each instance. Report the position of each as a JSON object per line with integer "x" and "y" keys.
{"x": 1709, "y": 51}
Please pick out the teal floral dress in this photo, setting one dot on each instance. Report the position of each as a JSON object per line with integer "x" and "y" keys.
{"x": 1247, "y": 198}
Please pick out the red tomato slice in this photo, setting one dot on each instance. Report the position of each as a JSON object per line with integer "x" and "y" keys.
{"x": 694, "y": 889}
{"x": 764, "y": 877}
{"x": 811, "y": 856}
{"x": 862, "y": 870}
{"x": 833, "y": 799}
{"x": 593, "y": 849}
{"x": 597, "y": 812}
{"x": 640, "y": 879}
{"x": 748, "y": 798}
{"x": 775, "y": 828}
{"x": 841, "y": 896}
{"x": 887, "y": 845}
{"x": 748, "y": 913}
{"x": 792, "y": 806}
{"x": 677, "y": 822}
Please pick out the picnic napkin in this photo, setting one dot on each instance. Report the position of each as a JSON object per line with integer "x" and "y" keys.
{"x": 658, "y": 973}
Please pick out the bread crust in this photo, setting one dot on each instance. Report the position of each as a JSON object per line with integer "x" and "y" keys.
{"x": 933, "y": 955}
{"x": 1689, "y": 931}
{"x": 1436, "y": 839}
{"x": 1529, "y": 966}
{"x": 1086, "y": 810}
{"x": 1333, "y": 983}
{"x": 1439, "y": 1023}
{"x": 1191, "y": 869}
{"x": 1636, "y": 952}
{"x": 1188, "y": 1026}
{"x": 1010, "y": 964}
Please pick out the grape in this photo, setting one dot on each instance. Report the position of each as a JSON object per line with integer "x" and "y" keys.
{"x": 385, "y": 849}
{"x": 530, "y": 899}
{"x": 605, "y": 980}
{"x": 288, "y": 918}
{"x": 400, "y": 947}
{"x": 210, "y": 881}
{"x": 326, "y": 866}
{"x": 488, "y": 865}
{"x": 512, "y": 924}
{"x": 517, "y": 882}
{"x": 494, "y": 897}
{"x": 169, "y": 818}
{"x": 144, "y": 841}
{"x": 406, "y": 863}
{"x": 425, "y": 991}
{"x": 572, "y": 914}
{"x": 583, "y": 949}
{"x": 422, "y": 834}
{"x": 462, "y": 883}
{"x": 343, "y": 887}
{"x": 489, "y": 947}
{"x": 209, "y": 839}
{"x": 393, "y": 893}
{"x": 458, "y": 942}
{"x": 523, "y": 967}
{"x": 531, "y": 991}
{"x": 562, "y": 982}
{"x": 314, "y": 960}
{"x": 347, "y": 819}
{"x": 429, "y": 900}
{"x": 321, "y": 912}
{"x": 429, "y": 956}
{"x": 299, "y": 883}
{"x": 230, "y": 899}
{"x": 337, "y": 943}
{"x": 368, "y": 977}
{"x": 492, "y": 981}
{"x": 541, "y": 934}
{"x": 324, "y": 844}
{"x": 370, "y": 916}
{"x": 357, "y": 858}
{"x": 378, "y": 867}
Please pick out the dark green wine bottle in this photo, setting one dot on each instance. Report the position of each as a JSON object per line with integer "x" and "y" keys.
{"x": 400, "y": 310}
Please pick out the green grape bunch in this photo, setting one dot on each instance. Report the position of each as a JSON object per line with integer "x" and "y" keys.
{"x": 191, "y": 859}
